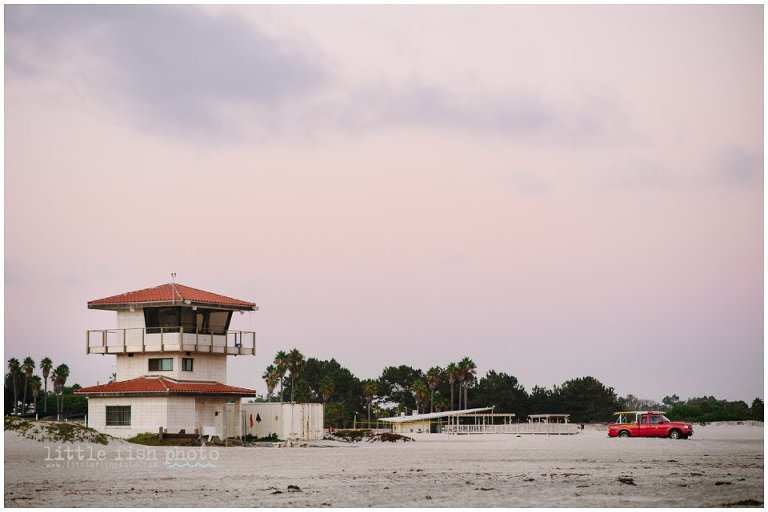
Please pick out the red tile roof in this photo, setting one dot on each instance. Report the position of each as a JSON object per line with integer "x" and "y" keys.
{"x": 169, "y": 293}
{"x": 164, "y": 386}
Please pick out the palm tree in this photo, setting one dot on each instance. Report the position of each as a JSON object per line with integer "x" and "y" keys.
{"x": 303, "y": 391}
{"x": 327, "y": 387}
{"x": 60, "y": 375}
{"x": 13, "y": 370}
{"x": 469, "y": 371}
{"x": 56, "y": 388}
{"x": 271, "y": 377}
{"x": 420, "y": 392}
{"x": 369, "y": 391}
{"x": 433, "y": 377}
{"x": 45, "y": 365}
{"x": 296, "y": 364}
{"x": 28, "y": 367}
{"x": 335, "y": 411}
{"x": 281, "y": 364}
{"x": 440, "y": 403}
{"x": 460, "y": 378}
{"x": 452, "y": 372}
{"x": 35, "y": 382}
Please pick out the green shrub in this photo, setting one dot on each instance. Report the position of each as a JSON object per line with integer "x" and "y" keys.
{"x": 55, "y": 431}
{"x": 352, "y": 436}
{"x": 146, "y": 438}
{"x": 271, "y": 438}
{"x": 389, "y": 437}
{"x": 150, "y": 439}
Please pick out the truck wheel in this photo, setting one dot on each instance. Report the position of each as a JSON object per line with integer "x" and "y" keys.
{"x": 623, "y": 433}
{"x": 674, "y": 434}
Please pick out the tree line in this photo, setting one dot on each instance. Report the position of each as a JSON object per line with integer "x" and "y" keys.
{"x": 699, "y": 409}
{"x": 399, "y": 389}
{"x": 23, "y": 388}
{"x": 349, "y": 400}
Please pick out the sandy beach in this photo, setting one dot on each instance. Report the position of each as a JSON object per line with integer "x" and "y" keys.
{"x": 722, "y": 465}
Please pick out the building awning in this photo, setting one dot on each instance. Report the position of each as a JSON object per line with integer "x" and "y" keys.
{"x": 434, "y": 415}
{"x": 158, "y": 386}
{"x": 170, "y": 294}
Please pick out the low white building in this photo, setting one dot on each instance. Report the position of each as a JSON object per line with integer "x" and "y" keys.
{"x": 288, "y": 421}
{"x": 171, "y": 345}
{"x": 144, "y": 404}
{"x": 430, "y": 422}
{"x": 480, "y": 421}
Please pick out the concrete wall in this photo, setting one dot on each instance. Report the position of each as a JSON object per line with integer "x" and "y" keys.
{"x": 211, "y": 367}
{"x": 127, "y": 319}
{"x": 233, "y": 419}
{"x": 180, "y": 414}
{"x": 173, "y": 413}
{"x": 209, "y": 412}
{"x": 148, "y": 414}
{"x": 299, "y": 421}
{"x": 219, "y": 413}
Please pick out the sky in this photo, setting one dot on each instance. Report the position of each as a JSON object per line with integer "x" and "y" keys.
{"x": 553, "y": 191}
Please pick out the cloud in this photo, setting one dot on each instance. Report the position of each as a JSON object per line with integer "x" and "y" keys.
{"x": 14, "y": 276}
{"x": 174, "y": 65}
{"x": 738, "y": 166}
{"x": 525, "y": 182}
{"x": 515, "y": 115}
{"x": 418, "y": 104}
{"x": 637, "y": 173}
{"x": 180, "y": 71}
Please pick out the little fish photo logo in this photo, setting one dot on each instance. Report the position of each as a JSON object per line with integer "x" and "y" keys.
{"x": 199, "y": 457}
{"x": 91, "y": 457}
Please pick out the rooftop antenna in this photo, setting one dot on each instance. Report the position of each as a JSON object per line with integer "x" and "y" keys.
{"x": 173, "y": 287}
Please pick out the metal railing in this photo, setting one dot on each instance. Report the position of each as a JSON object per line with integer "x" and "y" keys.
{"x": 514, "y": 428}
{"x": 169, "y": 339}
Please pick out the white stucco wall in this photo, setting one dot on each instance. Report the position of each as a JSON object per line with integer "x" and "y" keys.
{"x": 205, "y": 367}
{"x": 148, "y": 414}
{"x": 127, "y": 319}
{"x": 302, "y": 421}
{"x": 217, "y": 412}
{"x": 209, "y": 367}
{"x": 181, "y": 414}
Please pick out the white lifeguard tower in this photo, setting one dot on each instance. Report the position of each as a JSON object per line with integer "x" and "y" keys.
{"x": 171, "y": 344}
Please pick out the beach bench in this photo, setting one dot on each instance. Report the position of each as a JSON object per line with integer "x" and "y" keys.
{"x": 164, "y": 434}
{"x": 210, "y": 433}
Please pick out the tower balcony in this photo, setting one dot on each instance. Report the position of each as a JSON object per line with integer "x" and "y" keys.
{"x": 169, "y": 339}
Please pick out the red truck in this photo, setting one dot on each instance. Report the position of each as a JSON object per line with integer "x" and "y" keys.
{"x": 647, "y": 424}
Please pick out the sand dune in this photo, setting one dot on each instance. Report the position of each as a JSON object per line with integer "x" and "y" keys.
{"x": 720, "y": 465}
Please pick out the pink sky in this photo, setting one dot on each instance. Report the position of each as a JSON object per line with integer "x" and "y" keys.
{"x": 553, "y": 191}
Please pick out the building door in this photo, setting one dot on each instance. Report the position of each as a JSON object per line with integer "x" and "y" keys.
{"x": 218, "y": 420}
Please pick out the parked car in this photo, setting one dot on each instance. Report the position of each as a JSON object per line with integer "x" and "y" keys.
{"x": 647, "y": 424}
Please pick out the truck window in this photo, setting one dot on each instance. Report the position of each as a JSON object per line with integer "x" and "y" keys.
{"x": 655, "y": 419}
{"x": 644, "y": 420}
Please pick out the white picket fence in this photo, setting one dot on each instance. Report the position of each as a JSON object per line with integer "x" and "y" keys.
{"x": 515, "y": 428}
